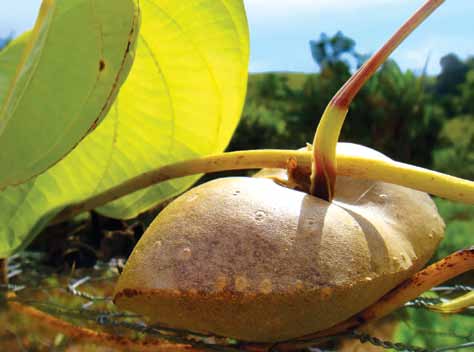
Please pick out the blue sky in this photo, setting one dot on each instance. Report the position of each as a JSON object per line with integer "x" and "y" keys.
{"x": 280, "y": 29}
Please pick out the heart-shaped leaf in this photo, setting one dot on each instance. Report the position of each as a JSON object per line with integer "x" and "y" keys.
{"x": 62, "y": 81}
{"x": 183, "y": 98}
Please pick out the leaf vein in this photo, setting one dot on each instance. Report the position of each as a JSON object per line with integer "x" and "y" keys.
{"x": 208, "y": 67}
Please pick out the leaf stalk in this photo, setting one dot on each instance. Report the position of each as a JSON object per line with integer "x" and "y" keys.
{"x": 323, "y": 177}
{"x": 361, "y": 167}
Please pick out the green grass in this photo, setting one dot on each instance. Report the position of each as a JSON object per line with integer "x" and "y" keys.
{"x": 433, "y": 330}
{"x": 459, "y": 219}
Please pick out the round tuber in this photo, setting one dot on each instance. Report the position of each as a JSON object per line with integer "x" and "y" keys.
{"x": 251, "y": 259}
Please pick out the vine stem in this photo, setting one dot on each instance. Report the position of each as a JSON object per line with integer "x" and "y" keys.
{"x": 92, "y": 336}
{"x": 323, "y": 172}
{"x": 3, "y": 271}
{"x": 435, "y": 274}
{"x": 362, "y": 167}
{"x": 3, "y": 280}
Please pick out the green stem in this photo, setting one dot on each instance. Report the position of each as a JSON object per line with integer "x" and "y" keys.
{"x": 323, "y": 175}
{"x": 348, "y": 165}
{"x": 253, "y": 159}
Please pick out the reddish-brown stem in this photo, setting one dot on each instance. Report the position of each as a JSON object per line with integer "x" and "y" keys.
{"x": 324, "y": 183}
{"x": 323, "y": 177}
{"x": 92, "y": 336}
{"x": 346, "y": 94}
{"x": 3, "y": 271}
{"x": 437, "y": 273}
{"x": 3, "y": 280}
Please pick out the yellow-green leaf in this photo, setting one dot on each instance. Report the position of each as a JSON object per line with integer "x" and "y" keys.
{"x": 183, "y": 98}
{"x": 59, "y": 82}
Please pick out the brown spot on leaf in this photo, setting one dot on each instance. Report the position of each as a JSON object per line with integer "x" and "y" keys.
{"x": 101, "y": 65}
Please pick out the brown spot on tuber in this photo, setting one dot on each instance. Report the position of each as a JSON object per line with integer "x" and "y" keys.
{"x": 241, "y": 283}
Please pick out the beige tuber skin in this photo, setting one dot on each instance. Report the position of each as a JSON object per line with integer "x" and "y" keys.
{"x": 254, "y": 260}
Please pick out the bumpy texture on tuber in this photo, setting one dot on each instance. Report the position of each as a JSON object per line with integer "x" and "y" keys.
{"x": 250, "y": 259}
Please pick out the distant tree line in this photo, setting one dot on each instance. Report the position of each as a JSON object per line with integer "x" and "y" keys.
{"x": 421, "y": 119}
